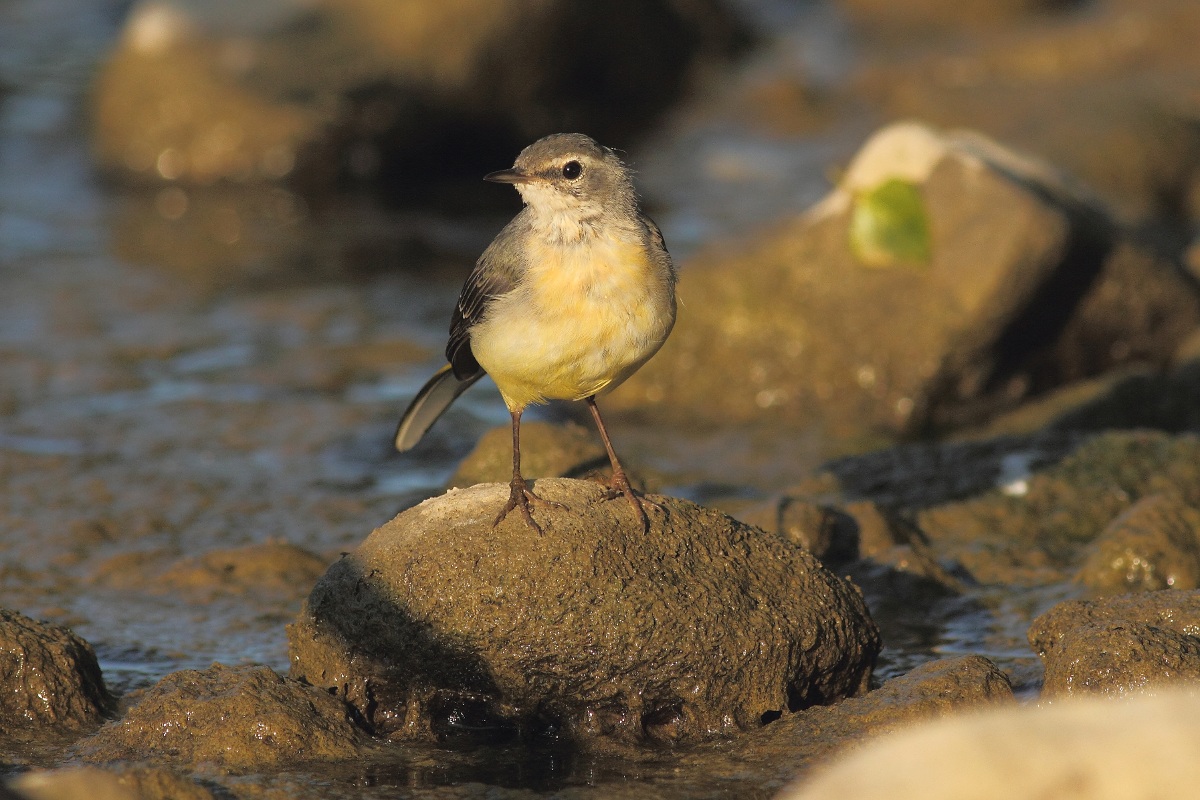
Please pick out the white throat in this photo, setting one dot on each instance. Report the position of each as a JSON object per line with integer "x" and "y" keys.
{"x": 558, "y": 216}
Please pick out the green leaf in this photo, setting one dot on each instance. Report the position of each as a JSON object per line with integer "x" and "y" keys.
{"x": 889, "y": 226}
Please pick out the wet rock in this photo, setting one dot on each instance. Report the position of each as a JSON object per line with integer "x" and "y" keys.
{"x": 1119, "y": 658}
{"x": 49, "y": 678}
{"x": 1191, "y": 259}
{"x": 921, "y": 475}
{"x": 1160, "y": 399}
{"x": 547, "y": 451}
{"x": 934, "y": 689}
{"x": 887, "y": 556}
{"x": 1037, "y": 527}
{"x": 1119, "y": 645}
{"x": 1016, "y": 296}
{"x": 238, "y": 718}
{"x": 374, "y": 91}
{"x": 768, "y": 759}
{"x": 155, "y": 783}
{"x": 441, "y": 624}
{"x": 1153, "y": 545}
{"x": 1096, "y": 749}
{"x": 1139, "y": 310}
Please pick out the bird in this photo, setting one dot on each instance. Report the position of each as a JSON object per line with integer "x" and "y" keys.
{"x": 572, "y": 297}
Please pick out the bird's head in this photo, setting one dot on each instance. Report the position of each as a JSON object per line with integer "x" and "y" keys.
{"x": 569, "y": 179}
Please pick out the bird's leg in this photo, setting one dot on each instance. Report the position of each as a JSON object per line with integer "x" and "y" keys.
{"x": 519, "y": 493}
{"x": 620, "y": 481}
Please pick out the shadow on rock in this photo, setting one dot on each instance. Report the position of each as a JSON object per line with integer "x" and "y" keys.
{"x": 440, "y": 625}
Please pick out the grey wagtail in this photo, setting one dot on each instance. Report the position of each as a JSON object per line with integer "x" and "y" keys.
{"x": 569, "y": 300}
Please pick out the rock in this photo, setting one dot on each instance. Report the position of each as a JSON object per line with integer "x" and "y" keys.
{"x": 884, "y": 555}
{"x": 93, "y": 783}
{"x": 765, "y": 760}
{"x": 1153, "y": 545}
{"x": 156, "y": 783}
{"x": 1138, "y": 312}
{"x": 1119, "y": 645}
{"x": 1038, "y": 527}
{"x": 439, "y": 623}
{"x": 934, "y": 689}
{"x": 49, "y": 678}
{"x": 1119, "y": 658}
{"x": 1107, "y": 95}
{"x": 374, "y": 91}
{"x": 547, "y": 451}
{"x": 1016, "y": 296}
{"x": 1135, "y": 749}
{"x": 1137, "y": 397}
{"x": 926, "y": 474}
{"x": 74, "y": 783}
{"x": 1191, "y": 259}
{"x": 277, "y": 567}
{"x": 242, "y": 719}
{"x": 826, "y": 532}
{"x": 877, "y": 531}
{"x": 270, "y": 569}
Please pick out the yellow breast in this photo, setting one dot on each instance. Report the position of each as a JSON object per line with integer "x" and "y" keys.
{"x": 582, "y": 319}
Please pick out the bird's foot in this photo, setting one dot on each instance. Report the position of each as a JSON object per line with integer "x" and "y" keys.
{"x": 620, "y": 486}
{"x": 521, "y": 496}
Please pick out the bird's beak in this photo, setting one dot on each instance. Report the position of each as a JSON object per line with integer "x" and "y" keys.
{"x": 508, "y": 176}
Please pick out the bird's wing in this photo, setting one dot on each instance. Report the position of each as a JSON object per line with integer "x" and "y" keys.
{"x": 659, "y": 254}
{"x": 495, "y": 274}
{"x": 656, "y": 237}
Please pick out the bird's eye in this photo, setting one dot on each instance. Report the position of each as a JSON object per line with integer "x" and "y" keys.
{"x": 571, "y": 170}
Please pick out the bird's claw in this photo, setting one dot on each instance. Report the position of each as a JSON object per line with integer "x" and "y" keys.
{"x": 521, "y": 496}
{"x": 620, "y": 486}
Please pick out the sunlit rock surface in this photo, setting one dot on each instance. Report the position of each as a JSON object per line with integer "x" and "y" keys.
{"x": 1120, "y": 645}
{"x": 700, "y": 626}
{"x": 1154, "y": 545}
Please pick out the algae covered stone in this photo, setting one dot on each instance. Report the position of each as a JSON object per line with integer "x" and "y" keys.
{"x": 1119, "y": 645}
{"x": 241, "y": 719}
{"x": 702, "y": 625}
{"x": 49, "y": 678}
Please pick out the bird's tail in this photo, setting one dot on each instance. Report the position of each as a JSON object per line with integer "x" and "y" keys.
{"x": 435, "y": 397}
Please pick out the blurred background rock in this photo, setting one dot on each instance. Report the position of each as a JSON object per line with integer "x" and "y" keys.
{"x": 389, "y": 94}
